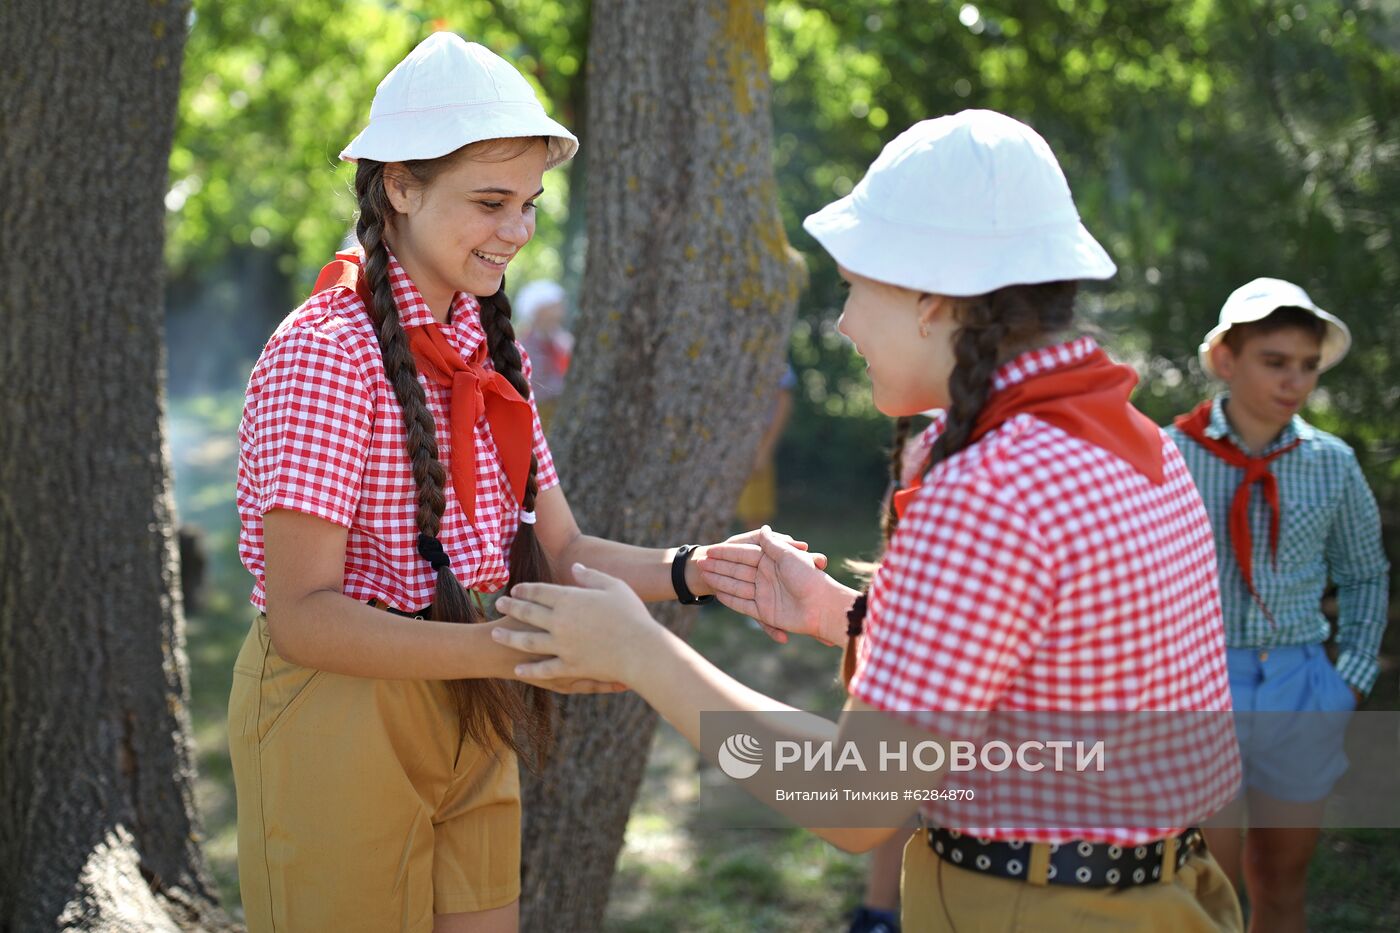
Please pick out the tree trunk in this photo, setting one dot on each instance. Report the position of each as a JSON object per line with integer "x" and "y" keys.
{"x": 98, "y": 829}
{"x": 689, "y": 291}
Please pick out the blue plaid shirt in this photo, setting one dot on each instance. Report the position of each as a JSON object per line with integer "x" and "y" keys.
{"x": 1329, "y": 527}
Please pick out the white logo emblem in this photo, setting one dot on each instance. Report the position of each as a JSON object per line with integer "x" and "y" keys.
{"x": 740, "y": 756}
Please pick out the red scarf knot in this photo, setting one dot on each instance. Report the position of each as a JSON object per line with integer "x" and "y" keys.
{"x": 1087, "y": 399}
{"x": 475, "y": 391}
{"x": 1256, "y": 470}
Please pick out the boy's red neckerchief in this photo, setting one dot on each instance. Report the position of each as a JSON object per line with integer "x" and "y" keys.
{"x": 1256, "y": 470}
{"x": 475, "y": 390}
{"x": 1087, "y": 399}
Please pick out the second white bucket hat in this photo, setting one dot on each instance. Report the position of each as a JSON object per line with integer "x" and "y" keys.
{"x": 449, "y": 92}
{"x": 962, "y": 205}
{"x": 1256, "y": 300}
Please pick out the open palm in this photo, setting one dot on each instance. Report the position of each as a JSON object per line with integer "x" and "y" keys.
{"x": 782, "y": 587}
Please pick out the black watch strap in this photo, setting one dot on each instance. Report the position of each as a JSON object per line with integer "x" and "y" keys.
{"x": 683, "y": 594}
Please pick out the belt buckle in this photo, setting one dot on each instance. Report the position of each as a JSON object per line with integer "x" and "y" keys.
{"x": 1169, "y": 850}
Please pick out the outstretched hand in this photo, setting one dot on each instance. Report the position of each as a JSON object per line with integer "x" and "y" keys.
{"x": 736, "y": 562}
{"x": 781, "y": 586}
{"x": 595, "y": 631}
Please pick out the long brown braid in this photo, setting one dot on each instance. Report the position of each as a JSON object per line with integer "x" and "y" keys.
{"x": 528, "y": 561}
{"x": 488, "y": 710}
{"x": 889, "y": 516}
{"x": 992, "y": 328}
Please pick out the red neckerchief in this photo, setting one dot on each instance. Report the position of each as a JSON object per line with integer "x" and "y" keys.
{"x": 1087, "y": 399}
{"x": 475, "y": 390}
{"x": 1256, "y": 470}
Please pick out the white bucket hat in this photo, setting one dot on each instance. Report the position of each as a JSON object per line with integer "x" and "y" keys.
{"x": 1256, "y": 300}
{"x": 450, "y": 92}
{"x": 532, "y": 296}
{"x": 962, "y": 205}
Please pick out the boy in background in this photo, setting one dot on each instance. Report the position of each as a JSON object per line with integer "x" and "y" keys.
{"x": 1291, "y": 510}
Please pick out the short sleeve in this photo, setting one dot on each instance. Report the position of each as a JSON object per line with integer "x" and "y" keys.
{"x": 545, "y": 476}
{"x": 307, "y": 427}
{"x": 958, "y": 605}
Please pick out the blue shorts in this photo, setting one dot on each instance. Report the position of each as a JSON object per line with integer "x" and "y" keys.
{"x": 1297, "y": 757}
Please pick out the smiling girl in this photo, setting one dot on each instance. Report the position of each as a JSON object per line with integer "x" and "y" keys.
{"x": 1049, "y": 554}
{"x": 392, "y": 465}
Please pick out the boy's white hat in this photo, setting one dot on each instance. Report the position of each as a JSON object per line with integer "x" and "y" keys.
{"x": 532, "y": 296}
{"x": 1256, "y": 300}
{"x": 962, "y": 205}
{"x": 450, "y": 92}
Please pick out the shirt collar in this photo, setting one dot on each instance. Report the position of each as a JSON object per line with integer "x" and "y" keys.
{"x": 1016, "y": 370}
{"x": 1042, "y": 360}
{"x": 1219, "y": 427}
{"x": 464, "y": 317}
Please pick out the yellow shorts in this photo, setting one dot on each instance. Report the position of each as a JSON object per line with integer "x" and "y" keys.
{"x": 357, "y": 807}
{"x": 936, "y": 897}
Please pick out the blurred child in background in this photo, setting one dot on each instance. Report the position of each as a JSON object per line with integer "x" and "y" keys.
{"x": 540, "y": 311}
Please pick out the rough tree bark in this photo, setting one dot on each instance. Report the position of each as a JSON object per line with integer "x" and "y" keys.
{"x": 97, "y": 822}
{"x": 688, "y": 295}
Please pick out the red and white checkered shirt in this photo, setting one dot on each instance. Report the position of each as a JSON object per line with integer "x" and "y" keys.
{"x": 1035, "y": 571}
{"x": 322, "y": 433}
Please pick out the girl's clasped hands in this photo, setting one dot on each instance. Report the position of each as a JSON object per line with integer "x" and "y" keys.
{"x": 601, "y": 631}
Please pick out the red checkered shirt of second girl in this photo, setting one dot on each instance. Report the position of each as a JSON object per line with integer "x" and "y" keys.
{"x": 1038, "y": 571}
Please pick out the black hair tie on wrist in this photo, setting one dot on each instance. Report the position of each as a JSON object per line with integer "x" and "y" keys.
{"x": 855, "y": 617}
{"x": 430, "y": 549}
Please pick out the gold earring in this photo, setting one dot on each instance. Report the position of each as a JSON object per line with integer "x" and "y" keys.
{"x": 923, "y": 330}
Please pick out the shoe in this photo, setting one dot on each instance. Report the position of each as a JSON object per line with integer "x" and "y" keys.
{"x": 867, "y": 920}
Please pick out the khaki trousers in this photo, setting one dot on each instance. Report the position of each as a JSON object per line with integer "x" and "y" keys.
{"x": 937, "y": 897}
{"x": 358, "y": 808}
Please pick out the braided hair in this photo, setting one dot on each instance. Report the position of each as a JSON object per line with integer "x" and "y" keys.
{"x": 527, "y": 558}
{"x": 488, "y": 710}
{"x": 992, "y": 327}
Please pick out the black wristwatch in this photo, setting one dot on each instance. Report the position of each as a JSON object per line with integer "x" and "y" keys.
{"x": 683, "y": 594}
